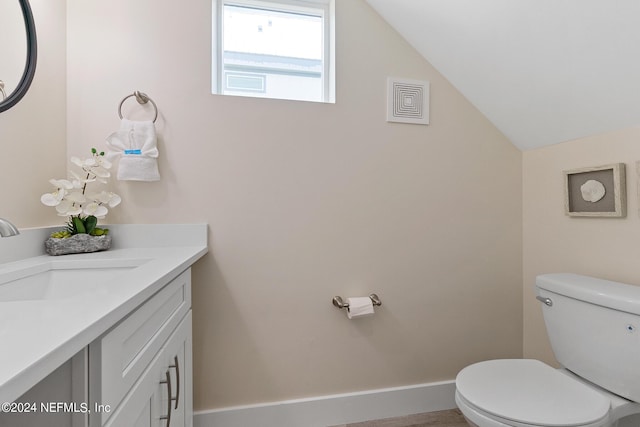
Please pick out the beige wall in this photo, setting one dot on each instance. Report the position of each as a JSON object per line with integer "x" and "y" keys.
{"x": 13, "y": 54}
{"x": 32, "y": 133}
{"x": 553, "y": 242}
{"x": 306, "y": 201}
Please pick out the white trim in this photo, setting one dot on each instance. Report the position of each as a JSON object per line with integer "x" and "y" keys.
{"x": 312, "y": 7}
{"x": 335, "y": 409}
{"x": 330, "y": 54}
{"x": 216, "y": 46}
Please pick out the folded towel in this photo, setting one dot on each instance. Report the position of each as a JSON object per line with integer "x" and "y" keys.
{"x": 136, "y": 147}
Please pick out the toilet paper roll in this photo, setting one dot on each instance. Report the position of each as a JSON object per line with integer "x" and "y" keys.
{"x": 359, "y": 307}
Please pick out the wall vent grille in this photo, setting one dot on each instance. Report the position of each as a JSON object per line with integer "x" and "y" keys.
{"x": 407, "y": 101}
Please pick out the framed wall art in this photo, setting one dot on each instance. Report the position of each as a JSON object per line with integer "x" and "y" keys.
{"x": 638, "y": 183}
{"x": 596, "y": 191}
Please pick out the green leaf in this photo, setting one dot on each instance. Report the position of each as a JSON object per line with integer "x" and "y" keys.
{"x": 90, "y": 223}
{"x": 97, "y": 232}
{"x": 78, "y": 224}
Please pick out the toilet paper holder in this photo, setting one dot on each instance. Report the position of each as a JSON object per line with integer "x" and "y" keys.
{"x": 339, "y": 302}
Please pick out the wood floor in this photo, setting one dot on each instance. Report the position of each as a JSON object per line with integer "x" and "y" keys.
{"x": 450, "y": 418}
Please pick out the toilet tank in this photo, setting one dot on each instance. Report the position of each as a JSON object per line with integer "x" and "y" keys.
{"x": 594, "y": 329}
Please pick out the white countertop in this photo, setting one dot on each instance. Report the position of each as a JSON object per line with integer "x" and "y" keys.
{"x": 37, "y": 336}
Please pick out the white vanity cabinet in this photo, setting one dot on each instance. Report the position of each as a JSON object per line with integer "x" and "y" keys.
{"x": 101, "y": 355}
{"x": 140, "y": 370}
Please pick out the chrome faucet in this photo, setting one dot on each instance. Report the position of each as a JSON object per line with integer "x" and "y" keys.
{"x": 7, "y": 229}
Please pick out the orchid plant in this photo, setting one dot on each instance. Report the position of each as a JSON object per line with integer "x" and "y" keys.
{"x": 72, "y": 198}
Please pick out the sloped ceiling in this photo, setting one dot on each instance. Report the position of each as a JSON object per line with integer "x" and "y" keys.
{"x": 543, "y": 71}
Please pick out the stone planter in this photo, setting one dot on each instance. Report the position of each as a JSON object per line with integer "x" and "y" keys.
{"x": 77, "y": 244}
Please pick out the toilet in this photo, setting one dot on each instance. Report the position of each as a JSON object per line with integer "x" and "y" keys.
{"x": 594, "y": 329}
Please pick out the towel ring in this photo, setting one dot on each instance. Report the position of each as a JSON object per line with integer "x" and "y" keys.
{"x": 142, "y": 99}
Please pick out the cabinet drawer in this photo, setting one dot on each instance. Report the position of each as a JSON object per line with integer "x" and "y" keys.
{"x": 123, "y": 353}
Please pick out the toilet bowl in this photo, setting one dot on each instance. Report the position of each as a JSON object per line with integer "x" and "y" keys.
{"x": 592, "y": 328}
{"x": 515, "y": 392}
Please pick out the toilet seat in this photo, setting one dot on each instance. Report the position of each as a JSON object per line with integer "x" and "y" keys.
{"x": 529, "y": 393}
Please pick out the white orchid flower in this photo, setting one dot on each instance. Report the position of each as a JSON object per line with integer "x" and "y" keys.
{"x": 76, "y": 197}
{"x": 61, "y": 183}
{"x": 67, "y": 207}
{"x": 86, "y": 163}
{"x": 76, "y": 161}
{"x": 100, "y": 161}
{"x": 104, "y": 162}
{"x": 100, "y": 172}
{"x": 52, "y": 199}
{"x": 114, "y": 200}
{"x": 96, "y": 210}
{"x": 105, "y": 197}
{"x": 78, "y": 181}
{"x": 92, "y": 164}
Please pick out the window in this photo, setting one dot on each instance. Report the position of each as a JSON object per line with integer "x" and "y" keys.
{"x": 274, "y": 49}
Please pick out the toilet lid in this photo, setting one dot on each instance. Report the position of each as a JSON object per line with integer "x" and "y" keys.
{"x": 530, "y": 392}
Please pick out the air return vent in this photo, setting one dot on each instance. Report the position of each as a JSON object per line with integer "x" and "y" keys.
{"x": 407, "y": 101}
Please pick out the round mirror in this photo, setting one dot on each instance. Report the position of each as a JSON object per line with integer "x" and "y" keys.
{"x": 18, "y": 55}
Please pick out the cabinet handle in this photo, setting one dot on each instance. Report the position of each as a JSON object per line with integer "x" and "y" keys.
{"x": 176, "y": 365}
{"x": 168, "y": 383}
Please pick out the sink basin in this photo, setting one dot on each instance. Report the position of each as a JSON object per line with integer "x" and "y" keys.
{"x": 52, "y": 281}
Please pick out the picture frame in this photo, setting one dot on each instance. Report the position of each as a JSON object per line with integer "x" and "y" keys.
{"x": 638, "y": 184}
{"x": 598, "y": 191}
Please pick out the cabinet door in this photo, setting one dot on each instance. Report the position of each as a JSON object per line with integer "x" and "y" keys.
{"x": 177, "y": 356}
{"x": 141, "y": 407}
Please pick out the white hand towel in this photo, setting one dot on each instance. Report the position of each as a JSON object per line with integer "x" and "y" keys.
{"x": 136, "y": 147}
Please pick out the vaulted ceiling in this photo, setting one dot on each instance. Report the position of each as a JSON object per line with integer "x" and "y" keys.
{"x": 543, "y": 71}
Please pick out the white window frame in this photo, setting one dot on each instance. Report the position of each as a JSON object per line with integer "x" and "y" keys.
{"x": 327, "y": 8}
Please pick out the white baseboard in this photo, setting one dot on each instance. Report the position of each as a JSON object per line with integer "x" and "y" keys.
{"x": 335, "y": 409}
